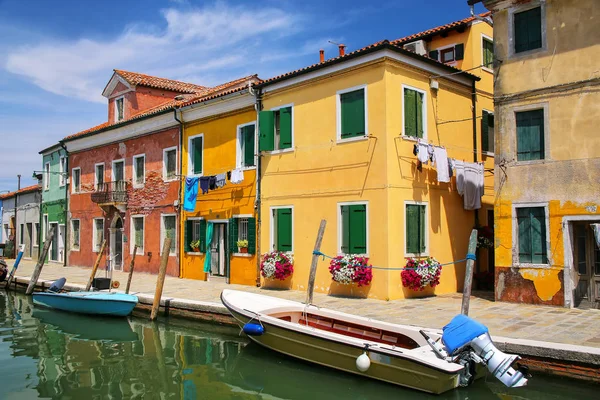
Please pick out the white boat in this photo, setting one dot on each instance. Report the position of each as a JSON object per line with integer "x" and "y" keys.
{"x": 400, "y": 354}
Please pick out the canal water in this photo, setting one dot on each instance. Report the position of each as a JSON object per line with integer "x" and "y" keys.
{"x": 53, "y": 355}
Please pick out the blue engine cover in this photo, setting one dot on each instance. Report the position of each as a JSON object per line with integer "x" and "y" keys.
{"x": 460, "y": 331}
{"x": 253, "y": 329}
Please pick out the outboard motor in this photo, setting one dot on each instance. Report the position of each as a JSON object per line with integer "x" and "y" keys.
{"x": 57, "y": 285}
{"x": 464, "y": 333}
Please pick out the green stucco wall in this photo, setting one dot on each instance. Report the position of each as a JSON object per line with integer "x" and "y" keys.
{"x": 53, "y": 198}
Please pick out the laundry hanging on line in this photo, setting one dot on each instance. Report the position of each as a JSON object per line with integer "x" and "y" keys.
{"x": 191, "y": 194}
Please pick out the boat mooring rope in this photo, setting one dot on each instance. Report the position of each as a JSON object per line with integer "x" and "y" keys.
{"x": 468, "y": 257}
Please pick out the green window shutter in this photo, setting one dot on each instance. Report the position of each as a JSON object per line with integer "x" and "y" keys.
{"x": 459, "y": 51}
{"x": 248, "y": 139}
{"x": 284, "y": 229}
{"x": 197, "y": 154}
{"x": 524, "y": 223}
{"x": 266, "y": 122}
{"x": 345, "y": 211}
{"x": 412, "y": 229}
{"x": 485, "y": 131}
{"x": 488, "y": 53}
{"x": 528, "y": 30}
{"x": 433, "y": 54}
{"x": 188, "y": 235}
{"x": 419, "y": 117}
{"x": 352, "y": 113}
{"x": 203, "y": 236}
{"x": 233, "y": 235}
{"x": 538, "y": 235}
{"x": 251, "y": 235}
{"x": 285, "y": 128}
{"x": 530, "y": 135}
{"x": 422, "y": 228}
{"x": 410, "y": 113}
{"x": 358, "y": 229}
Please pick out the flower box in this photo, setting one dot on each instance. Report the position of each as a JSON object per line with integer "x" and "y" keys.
{"x": 418, "y": 274}
{"x": 350, "y": 269}
{"x": 277, "y": 265}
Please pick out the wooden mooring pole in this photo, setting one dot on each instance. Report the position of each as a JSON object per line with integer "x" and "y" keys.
{"x": 131, "y": 265}
{"x": 313, "y": 264}
{"x": 40, "y": 264}
{"x": 95, "y": 268}
{"x": 469, "y": 273}
{"x": 160, "y": 282}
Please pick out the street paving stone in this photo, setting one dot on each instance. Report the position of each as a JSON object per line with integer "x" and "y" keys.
{"x": 520, "y": 321}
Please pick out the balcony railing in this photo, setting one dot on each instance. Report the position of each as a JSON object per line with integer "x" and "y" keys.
{"x": 110, "y": 192}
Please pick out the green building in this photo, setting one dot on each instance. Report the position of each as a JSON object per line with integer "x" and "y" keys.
{"x": 53, "y": 213}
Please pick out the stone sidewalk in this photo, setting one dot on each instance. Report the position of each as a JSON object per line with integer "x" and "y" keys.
{"x": 518, "y": 321}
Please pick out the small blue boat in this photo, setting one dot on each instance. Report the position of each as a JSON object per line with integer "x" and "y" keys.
{"x": 94, "y": 303}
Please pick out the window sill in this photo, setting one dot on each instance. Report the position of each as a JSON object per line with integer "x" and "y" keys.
{"x": 138, "y": 253}
{"x": 488, "y": 153}
{"x": 491, "y": 71}
{"x": 138, "y": 186}
{"x": 194, "y": 253}
{"x": 169, "y": 180}
{"x": 412, "y": 138}
{"x": 514, "y": 56}
{"x": 247, "y": 168}
{"x": 529, "y": 162}
{"x": 532, "y": 266}
{"x": 77, "y": 250}
{"x": 352, "y": 139}
{"x": 75, "y": 192}
{"x": 246, "y": 255}
{"x": 283, "y": 151}
{"x": 350, "y": 254}
{"x": 417, "y": 255}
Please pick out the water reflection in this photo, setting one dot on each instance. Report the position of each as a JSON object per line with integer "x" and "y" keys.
{"x": 50, "y": 354}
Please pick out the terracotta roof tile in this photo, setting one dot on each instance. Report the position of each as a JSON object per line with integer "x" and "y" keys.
{"x": 135, "y": 78}
{"x": 184, "y": 100}
{"x": 27, "y": 189}
{"x": 439, "y": 29}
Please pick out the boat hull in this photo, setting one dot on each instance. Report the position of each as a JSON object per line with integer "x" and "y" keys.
{"x": 92, "y": 303}
{"x": 398, "y": 370}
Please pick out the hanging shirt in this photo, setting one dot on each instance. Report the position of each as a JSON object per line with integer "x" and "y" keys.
{"x": 473, "y": 186}
{"x": 441, "y": 162}
{"x": 237, "y": 176}
{"x": 220, "y": 180}
{"x": 423, "y": 154}
{"x": 191, "y": 194}
{"x": 204, "y": 181}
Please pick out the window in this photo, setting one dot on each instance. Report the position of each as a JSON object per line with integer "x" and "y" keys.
{"x": 195, "y": 231}
{"x": 352, "y": 113}
{"x": 196, "y": 150}
{"x": 139, "y": 174}
{"x": 245, "y": 154}
{"x": 532, "y": 235}
{"x": 119, "y": 114}
{"x": 76, "y": 173}
{"x": 62, "y": 170}
{"x": 98, "y": 234}
{"x": 45, "y": 228}
{"x": 244, "y": 228}
{"x": 447, "y": 55}
{"x": 487, "y": 131}
{"x": 46, "y": 176}
{"x": 168, "y": 229}
{"x": 35, "y": 233}
{"x": 118, "y": 170}
{"x": 170, "y": 164}
{"x": 99, "y": 177}
{"x": 488, "y": 52}
{"x": 416, "y": 228}
{"x": 530, "y": 135}
{"x": 137, "y": 234}
{"x": 414, "y": 113}
{"x": 276, "y": 129}
{"x": 528, "y": 30}
{"x": 353, "y": 228}
{"x": 75, "y": 234}
{"x": 282, "y": 236}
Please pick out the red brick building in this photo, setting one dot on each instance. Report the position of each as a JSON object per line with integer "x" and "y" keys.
{"x": 124, "y": 174}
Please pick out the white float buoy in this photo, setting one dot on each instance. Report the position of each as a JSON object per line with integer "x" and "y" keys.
{"x": 363, "y": 362}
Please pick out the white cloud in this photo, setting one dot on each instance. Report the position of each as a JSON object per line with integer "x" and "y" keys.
{"x": 215, "y": 41}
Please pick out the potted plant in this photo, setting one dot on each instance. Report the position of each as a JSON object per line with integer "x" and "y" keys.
{"x": 277, "y": 265}
{"x": 195, "y": 245}
{"x": 242, "y": 246}
{"x": 418, "y": 274}
{"x": 350, "y": 269}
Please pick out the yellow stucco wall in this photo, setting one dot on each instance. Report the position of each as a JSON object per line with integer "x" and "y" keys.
{"x": 220, "y": 134}
{"x": 320, "y": 172}
{"x": 566, "y": 181}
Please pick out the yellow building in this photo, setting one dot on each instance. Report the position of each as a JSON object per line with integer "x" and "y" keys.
{"x": 547, "y": 163}
{"x": 218, "y": 136}
{"x": 337, "y": 143}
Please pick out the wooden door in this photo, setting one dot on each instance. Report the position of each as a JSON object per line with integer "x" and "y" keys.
{"x": 587, "y": 267}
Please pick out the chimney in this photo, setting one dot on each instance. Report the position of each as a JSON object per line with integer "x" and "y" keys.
{"x": 342, "y": 49}
{"x": 321, "y": 55}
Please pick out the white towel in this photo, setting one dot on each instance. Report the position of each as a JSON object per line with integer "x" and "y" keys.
{"x": 441, "y": 162}
{"x": 237, "y": 176}
{"x": 423, "y": 154}
{"x": 473, "y": 186}
{"x": 459, "y": 168}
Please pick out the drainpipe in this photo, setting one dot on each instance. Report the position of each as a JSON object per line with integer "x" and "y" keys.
{"x": 474, "y": 111}
{"x": 180, "y": 187}
{"x": 258, "y": 95}
{"x": 478, "y": 18}
{"x": 15, "y": 251}
{"x": 67, "y": 184}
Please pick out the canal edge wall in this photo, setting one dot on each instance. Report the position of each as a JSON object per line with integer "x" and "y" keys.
{"x": 571, "y": 361}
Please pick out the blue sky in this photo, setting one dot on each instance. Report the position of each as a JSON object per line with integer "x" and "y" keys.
{"x": 56, "y": 56}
